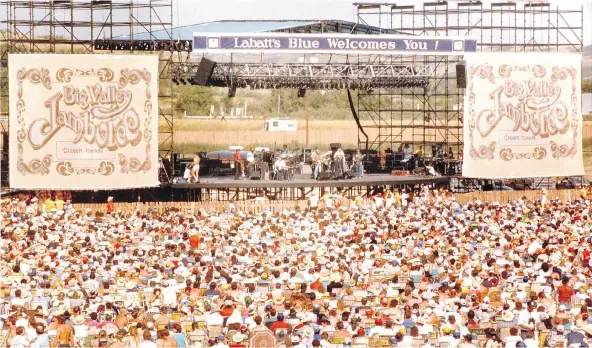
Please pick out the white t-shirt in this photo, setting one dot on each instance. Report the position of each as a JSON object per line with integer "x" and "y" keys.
{"x": 314, "y": 201}
{"x": 17, "y": 301}
{"x": 31, "y": 334}
{"x": 24, "y": 322}
{"x": 214, "y": 319}
{"x": 510, "y": 341}
{"x": 80, "y": 330}
{"x": 147, "y": 344}
{"x": 379, "y": 202}
{"x": 19, "y": 342}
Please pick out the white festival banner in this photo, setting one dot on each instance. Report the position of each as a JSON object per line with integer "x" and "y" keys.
{"x": 522, "y": 115}
{"x": 83, "y": 121}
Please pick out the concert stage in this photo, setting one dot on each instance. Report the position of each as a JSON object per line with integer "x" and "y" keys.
{"x": 304, "y": 181}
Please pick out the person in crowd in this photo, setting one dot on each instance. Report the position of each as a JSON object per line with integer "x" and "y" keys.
{"x": 110, "y": 205}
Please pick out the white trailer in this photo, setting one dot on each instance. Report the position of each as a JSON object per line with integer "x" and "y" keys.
{"x": 280, "y": 124}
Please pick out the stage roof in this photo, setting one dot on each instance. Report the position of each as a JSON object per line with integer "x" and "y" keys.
{"x": 303, "y": 26}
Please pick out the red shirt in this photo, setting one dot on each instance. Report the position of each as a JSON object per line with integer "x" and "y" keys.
{"x": 226, "y": 311}
{"x": 565, "y": 293}
{"x": 110, "y": 207}
{"x": 194, "y": 241}
{"x": 237, "y": 156}
{"x": 279, "y": 325}
{"x": 315, "y": 285}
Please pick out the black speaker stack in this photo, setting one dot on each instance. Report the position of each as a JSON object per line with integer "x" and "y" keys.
{"x": 204, "y": 72}
{"x": 461, "y": 76}
{"x": 324, "y": 176}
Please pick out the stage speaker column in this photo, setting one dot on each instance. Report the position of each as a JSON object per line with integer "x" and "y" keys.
{"x": 204, "y": 72}
{"x": 461, "y": 75}
{"x": 4, "y": 160}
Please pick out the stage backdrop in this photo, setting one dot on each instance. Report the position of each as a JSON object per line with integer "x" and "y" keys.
{"x": 83, "y": 121}
{"x": 522, "y": 115}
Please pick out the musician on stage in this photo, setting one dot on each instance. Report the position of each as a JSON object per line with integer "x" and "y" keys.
{"x": 316, "y": 163}
{"x": 237, "y": 165}
{"x": 280, "y": 168}
{"x": 359, "y": 164}
{"x": 450, "y": 154}
{"x": 195, "y": 168}
{"x": 460, "y": 160}
{"x": 419, "y": 152}
{"x": 408, "y": 151}
{"x": 339, "y": 163}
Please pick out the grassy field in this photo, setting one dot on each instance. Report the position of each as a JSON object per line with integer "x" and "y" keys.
{"x": 221, "y": 134}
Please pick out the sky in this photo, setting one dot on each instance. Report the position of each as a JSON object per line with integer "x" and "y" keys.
{"x": 199, "y": 11}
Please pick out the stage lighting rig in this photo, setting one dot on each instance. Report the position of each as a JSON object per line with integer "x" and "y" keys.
{"x": 144, "y": 45}
{"x": 312, "y": 76}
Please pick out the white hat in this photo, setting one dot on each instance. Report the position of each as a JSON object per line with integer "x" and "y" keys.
{"x": 507, "y": 316}
{"x": 238, "y": 337}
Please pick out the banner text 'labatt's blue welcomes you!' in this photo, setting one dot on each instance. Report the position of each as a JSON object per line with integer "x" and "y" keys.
{"x": 331, "y": 43}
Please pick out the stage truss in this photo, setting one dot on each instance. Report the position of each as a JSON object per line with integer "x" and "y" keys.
{"x": 307, "y": 76}
{"x": 89, "y": 27}
{"x": 392, "y": 117}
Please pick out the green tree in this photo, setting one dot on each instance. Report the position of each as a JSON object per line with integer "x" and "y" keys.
{"x": 195, "y": 100}
{"x": 587, "y": 86}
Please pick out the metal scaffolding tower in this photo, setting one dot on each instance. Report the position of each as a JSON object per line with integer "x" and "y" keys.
{"x": 392, "y": 117}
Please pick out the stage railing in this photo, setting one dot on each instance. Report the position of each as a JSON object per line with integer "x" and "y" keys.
{"x": 278, "y": 206}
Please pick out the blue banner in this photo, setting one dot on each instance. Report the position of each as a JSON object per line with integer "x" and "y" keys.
{"x": 331, "y": 43}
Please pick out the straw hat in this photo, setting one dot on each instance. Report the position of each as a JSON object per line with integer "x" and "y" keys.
{"x": 279, "y": 299}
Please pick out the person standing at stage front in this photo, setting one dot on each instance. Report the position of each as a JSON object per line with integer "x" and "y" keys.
{"x": 359, "y": 165}
{"x": 110, "y": 205}
{"x": 237, "y": 163}
{"x": 195, "y": 168}
{"x": 316, "y": 163}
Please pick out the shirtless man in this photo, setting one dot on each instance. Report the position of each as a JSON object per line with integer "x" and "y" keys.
{"x": 64, "y": 333}
{"x": 121, "y": 320}
{"x": 163, "y": 318}
{"x": 195, "y": 168}
{"x": 164, "y": 340}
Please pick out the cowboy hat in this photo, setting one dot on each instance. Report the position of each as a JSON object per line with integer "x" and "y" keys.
{"x": 507, "y": 316}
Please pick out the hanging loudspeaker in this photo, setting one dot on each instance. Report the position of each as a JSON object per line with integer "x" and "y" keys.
{"x": 461, "y": 76}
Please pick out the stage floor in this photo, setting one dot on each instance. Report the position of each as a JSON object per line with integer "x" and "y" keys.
{"x": 305, "y": 181}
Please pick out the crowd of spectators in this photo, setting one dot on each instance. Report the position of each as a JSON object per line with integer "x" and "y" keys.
{"x": 397, "y": 270}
